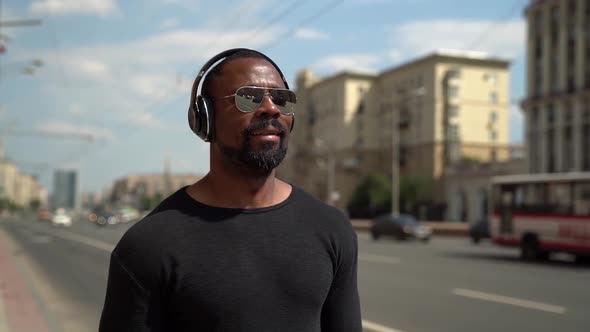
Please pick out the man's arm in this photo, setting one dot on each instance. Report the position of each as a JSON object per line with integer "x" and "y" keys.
{"x": 341, "y": 311}
{"x": 128, "y": 305}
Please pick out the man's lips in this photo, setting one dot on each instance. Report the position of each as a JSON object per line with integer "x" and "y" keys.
{"x": 266, "y": 132}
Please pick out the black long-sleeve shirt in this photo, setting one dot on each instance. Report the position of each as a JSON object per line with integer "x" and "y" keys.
{"x": 193, "y": 267}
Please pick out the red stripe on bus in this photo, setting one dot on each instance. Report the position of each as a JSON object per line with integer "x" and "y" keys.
{"x": 547, "y": 216}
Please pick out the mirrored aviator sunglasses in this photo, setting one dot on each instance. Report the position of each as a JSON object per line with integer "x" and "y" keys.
{"x": 249, "y": 98}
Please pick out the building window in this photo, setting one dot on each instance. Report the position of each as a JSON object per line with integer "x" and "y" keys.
{"x": 453, "y": 111}
{"x": 493, "y": 98}
{"x": 493, "y": 135}
{"x": 453, "y": 132}
{"x": 585, "y": 144}
{"x": 491, "y": 79}
{"x": 452, "y": 92}
{"x": 453, "y": 73}
{"x": 493, "y": 117}
{"x": 550, "y": 151}
{"x": 568, "y": 113}
{"x": 568, "y": 161}
{"x": 550, "y": 114}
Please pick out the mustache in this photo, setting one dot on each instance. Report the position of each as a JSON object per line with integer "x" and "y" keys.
{"x": 265, "y": 124}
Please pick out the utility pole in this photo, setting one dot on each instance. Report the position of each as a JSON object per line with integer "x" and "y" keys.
{"x": 395, "y": 146}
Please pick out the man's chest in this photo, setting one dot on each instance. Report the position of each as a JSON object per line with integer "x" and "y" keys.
{"x": 240, "y": 275}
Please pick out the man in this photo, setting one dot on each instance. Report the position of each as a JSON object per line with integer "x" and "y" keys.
{"x": 239, "y": 250}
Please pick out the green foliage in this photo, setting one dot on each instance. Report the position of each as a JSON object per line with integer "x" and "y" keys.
{"x": 372, "y": 197}
{"x": 34, "y": 204}
{"x": 414, "y": 189}
{"x": 150, "y": 202}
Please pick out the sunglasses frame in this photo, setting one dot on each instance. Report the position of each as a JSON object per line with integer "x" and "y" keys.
{"x": 267, "y": 92}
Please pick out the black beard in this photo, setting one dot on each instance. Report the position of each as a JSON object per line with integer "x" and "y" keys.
{"x": 265, "y": 159}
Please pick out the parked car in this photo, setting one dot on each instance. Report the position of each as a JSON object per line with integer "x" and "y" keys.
{"x": 479, "y": 230}
{"x": 61, "y": 218}
{"x": 402, "y": 227}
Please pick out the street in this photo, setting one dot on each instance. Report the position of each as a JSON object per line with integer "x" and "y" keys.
{"x": 448, "y": 284}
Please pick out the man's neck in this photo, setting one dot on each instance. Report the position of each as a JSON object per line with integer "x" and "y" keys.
{"x": 238, "y": 189}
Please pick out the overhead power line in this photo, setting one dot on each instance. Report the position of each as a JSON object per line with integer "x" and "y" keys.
{"x": 19, "y": 23}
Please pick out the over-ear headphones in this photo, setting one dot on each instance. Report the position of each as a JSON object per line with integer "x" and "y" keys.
{"x": 200, "y": 112}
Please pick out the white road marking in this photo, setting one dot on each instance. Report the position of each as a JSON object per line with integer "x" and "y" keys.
{"x": 510, "y": 300}
{"x": 372, "y": 326}
{"x": 108, "y": 247}
{"x": 379, "y": 258}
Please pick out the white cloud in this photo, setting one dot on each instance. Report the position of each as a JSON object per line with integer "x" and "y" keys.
{"x": 516, "y": 127}
{"x": 306, "y": 33}
{"x": 69, "y": 7}
{"x": 75, "y": 109}
{"x": 505, "y": 39}
{"x": 353, "y": 62}
{"x": 75, "y": 131}
{"x": 91, "y": 68}
{"x": 168, "y": 23}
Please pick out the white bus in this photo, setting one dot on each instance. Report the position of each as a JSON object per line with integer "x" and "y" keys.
{"x": 542, "y": 213}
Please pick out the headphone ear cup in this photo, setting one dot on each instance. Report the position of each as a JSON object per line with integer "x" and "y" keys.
{"x": 205, "y": 121}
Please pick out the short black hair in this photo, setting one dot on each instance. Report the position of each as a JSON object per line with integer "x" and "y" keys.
{"x": 216, "y": 71}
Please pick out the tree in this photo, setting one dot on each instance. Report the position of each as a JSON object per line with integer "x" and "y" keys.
{"x": 415, "y": 189}
{"x": 372, "y": 197}
{"x": 34, "y": 204}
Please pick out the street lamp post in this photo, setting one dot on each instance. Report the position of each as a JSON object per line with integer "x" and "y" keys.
{"x": 395, "y": 144}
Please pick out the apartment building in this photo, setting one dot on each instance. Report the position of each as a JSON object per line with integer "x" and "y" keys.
{"x": 557, "y": 105}
{"x": 445, "y": 107}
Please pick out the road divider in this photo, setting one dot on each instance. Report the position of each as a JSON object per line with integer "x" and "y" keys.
{"x": 509, "y": 300}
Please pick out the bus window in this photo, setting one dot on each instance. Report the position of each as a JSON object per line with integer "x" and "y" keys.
{"x": 582, "y": 199}
{"x": 560, "y": 198}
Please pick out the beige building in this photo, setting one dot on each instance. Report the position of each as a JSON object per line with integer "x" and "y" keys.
{"x": 467, "y": 188}
{"x": 27, "y": 190}
{"x": 8, "y": 174}
{"x": 132, "y": 188}
{"x": 20, "y": 189}
{"x": 557, "y": 106}
{"x": 448, "y": 106}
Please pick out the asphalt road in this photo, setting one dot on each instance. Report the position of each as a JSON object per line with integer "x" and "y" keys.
{"x": 445, "y": 285}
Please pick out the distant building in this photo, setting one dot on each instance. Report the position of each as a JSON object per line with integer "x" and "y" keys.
{"x": 448, "y": 106}
{"x": 65, "y": 189}
{"x": 8, "y": 174}
{"x": 131, "y": 189}
{"x": 27, "y": 191}
{"x": 557, "y": 104}
{"x": 467, "y": 188}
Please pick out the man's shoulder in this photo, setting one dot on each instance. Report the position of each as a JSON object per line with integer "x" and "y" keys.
{"x": 319, "y": 211}
{"x": 148, "y": 233}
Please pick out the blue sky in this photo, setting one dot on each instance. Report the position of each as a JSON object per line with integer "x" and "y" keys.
{"x": 118, "y": 73}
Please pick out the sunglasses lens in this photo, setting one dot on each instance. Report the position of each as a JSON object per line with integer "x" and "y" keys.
{"x": 248, "y": 99}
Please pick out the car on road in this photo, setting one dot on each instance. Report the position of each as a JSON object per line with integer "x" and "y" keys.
{"x": 401, "y": 227}
{"x": 103, "y": 218}
{"x": 44, "y": 215}
{"x": 61, "y": 218}
{"x": 479, "y": 230}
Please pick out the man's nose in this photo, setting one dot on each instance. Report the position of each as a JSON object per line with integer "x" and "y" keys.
{"x": 267, "y": 108}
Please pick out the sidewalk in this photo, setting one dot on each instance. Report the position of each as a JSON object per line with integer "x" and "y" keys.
{"x": 20, "y": 307}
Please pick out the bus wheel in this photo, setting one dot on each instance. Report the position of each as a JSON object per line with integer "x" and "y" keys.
{"x": 529, "y": 248}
